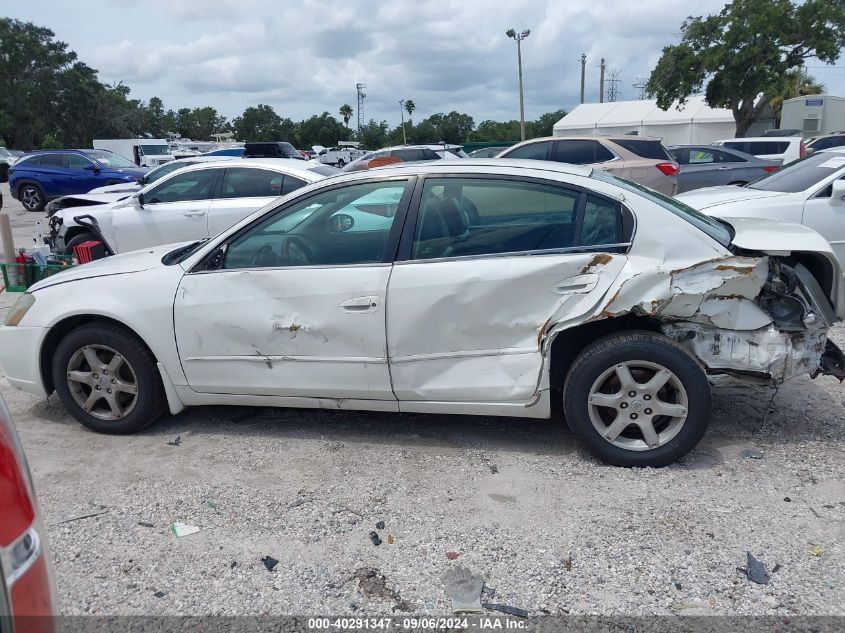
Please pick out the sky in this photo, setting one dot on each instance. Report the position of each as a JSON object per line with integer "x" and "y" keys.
{"x": 305, "y": 56}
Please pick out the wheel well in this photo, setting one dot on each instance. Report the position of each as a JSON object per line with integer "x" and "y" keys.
{"x": 23, "y": 183}
{"x": 73, "y": 231}
{"x": 58, "y": 332}
{"x": 569, "y": 343}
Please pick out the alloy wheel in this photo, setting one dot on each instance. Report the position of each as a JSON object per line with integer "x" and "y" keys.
{"x": 30, "y": 198}
{"x": 102, "y": 382}
{"x": 638, "y": 405}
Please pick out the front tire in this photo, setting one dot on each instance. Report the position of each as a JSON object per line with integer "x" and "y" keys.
{"x": 31, "y": 197}
{"x": 637, "y": 399}
{"x": 108, "y": 379}
{"x": 76, "y": 240}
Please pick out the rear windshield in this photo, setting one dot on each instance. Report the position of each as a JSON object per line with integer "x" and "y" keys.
{"x": 653, "y": 150}
{"x": 712, "y": 227}
{"x": 324, "y": 170}
{"x": 803, "y": 174}
{"x": 758, "y": 148}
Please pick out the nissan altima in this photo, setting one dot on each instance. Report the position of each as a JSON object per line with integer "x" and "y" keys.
{"x": 485, "y": 287}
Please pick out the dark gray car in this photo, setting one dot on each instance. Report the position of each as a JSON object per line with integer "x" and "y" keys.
{"x": 710, "y": 166}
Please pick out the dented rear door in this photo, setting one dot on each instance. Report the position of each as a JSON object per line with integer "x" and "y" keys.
{"x": 468, "y": 309}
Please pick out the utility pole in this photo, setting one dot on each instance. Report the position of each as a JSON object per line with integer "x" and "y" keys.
{"x": 641, "y": 84}
{"x": 361, "y": 97}
{"x": 583, "y": 71}
{"x": 613, "y": 84}
{"x": 402, "y": 114}
{"x": 601, "y": 81}
{"x": 518, "y": 37}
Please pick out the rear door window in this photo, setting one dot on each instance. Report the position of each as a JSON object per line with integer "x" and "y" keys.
{"x": 245, "y": 182}
{"x": 581, "y": 152}
{"x": 653, "y": 150}
{"x": 535, "y": 151}
{"x": 461, "y": 217}
{"x": 52, "y": 160}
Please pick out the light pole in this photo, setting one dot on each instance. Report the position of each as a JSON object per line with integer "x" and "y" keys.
{"x": 402, "y": 114}
{"x": 519, "y": 37}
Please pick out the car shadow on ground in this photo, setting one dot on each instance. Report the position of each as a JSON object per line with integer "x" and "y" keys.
{"x": 743, "y": 415}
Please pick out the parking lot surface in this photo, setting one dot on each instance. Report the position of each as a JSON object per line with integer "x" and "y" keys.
{"x": 517, "y": 501}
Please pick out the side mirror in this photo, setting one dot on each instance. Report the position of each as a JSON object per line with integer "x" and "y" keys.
{"x": 138, "y": 201}
{"x": 91, "y": 167}
{"x": 341, "y": 222}
{"x": 838, "y": 191}
{"x": 141, "y": 180}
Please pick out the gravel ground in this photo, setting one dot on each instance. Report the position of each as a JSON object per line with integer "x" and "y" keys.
{"x": 520, "y": 502}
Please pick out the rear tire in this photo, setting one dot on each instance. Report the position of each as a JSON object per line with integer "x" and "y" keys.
{"x": 637, "y": 399}
{"x": 108, "y": 379}
{"x": 31, "y": 197}
{"x": 76, "y": 240}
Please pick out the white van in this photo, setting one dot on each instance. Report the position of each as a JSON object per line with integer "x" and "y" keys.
{"x": 343, "y": 154}
{"x": 782, "y": 148}
{"x": 146, "y": 152}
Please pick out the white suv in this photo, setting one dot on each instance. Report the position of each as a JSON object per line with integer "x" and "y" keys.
{"x": 783, "y": 148}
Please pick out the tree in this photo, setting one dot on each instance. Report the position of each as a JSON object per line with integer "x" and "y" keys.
{"x": 451, "y": 128}
{"x": 321, "y": 130}
{"x": 258, "y": 123}
{"x": 744, "y": 52}
{"x": 410, "y": 106}
{"x": 346, "y": 113}
{"x": 795, "y": 84}
{"x": 373, "y": 134}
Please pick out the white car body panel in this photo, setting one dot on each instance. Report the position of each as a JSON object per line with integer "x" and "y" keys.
{"x": 127, "y": 227}
{"x": 459, "y": 335}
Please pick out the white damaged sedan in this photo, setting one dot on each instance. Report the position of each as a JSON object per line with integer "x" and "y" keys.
{"x": 483, "y": 287}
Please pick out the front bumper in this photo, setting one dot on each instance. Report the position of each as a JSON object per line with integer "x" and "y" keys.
{"x": 20, "y": 349}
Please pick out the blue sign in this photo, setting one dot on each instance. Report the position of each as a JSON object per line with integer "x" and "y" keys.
{"x": 816, "y": 103}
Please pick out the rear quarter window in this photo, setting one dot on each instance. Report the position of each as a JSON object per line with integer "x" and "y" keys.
{"x": 652, "y": 150}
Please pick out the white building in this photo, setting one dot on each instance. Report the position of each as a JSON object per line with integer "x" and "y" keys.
{"x": 814, "y": 114}
{"x": 694, "y": 123}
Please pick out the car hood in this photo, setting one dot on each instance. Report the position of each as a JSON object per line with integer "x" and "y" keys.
{"x": 131, "y": 262}
{"x": 67, "y": 203}
{"x": 130, "y": 187}
{"x": 128, "y": 171}
{"x": 712, "y": 196}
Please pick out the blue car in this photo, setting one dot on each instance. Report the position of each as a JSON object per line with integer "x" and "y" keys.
{"x": 41, "y": 176}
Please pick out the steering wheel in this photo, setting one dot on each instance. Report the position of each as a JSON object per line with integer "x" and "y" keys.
{"x": 297, "y": 252}
{"x": 264, "y": 257}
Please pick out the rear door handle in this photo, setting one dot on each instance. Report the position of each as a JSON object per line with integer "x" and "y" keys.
{"x": 360, "y": 305}
{"x": 576, "y": 285}
{"x": 194, "y": 213}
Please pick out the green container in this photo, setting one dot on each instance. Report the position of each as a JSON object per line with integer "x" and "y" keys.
{"x": 19, "y": 277}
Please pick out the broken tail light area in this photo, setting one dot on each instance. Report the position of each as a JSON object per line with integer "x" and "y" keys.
{"x": 770, "y": 168}
{"x": 27, "y": 596}
{"x": 668, "y": 169}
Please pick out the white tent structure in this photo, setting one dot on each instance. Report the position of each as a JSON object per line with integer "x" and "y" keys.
{"x": 694, "y": 123}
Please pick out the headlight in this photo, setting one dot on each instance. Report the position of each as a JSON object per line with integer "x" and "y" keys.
{"x": 19, "y": 310}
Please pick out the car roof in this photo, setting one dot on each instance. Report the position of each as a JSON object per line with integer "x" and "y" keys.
{"x": 284, "y": 165}
{"x": 492, "y": 166}
{"x": 592, "y": 137}
{"x": 760, "y": 138}
{"x": 433, "y": 146}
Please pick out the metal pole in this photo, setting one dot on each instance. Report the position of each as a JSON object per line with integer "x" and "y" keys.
{"x": 521, "y": 99}
{"x": 601, "y": 82}
{"x": 402, "y": 114}
{"x": 583, "y": 69}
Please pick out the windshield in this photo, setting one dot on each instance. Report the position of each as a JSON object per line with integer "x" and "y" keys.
{"x": 712, "y": 227}
{"x": 160, "y": 172}
{"x": 802, "y": 174}
{"x": 154, "y": 150}
{"x": 109, "y": 159}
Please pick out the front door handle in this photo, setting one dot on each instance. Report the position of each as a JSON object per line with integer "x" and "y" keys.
{"x": 576, "y": 285}
{"x": 194, "y": 213}
{"x": 360, "y": 305}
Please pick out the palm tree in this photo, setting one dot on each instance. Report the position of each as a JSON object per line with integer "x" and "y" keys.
{"x": 410, "y": 106}
{"x": 794, "y": 84}
{"x": 346, "y": 113}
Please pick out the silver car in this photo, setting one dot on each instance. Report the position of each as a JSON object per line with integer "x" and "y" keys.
{"x": 709, "y": 166}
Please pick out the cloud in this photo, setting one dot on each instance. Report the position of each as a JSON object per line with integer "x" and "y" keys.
{"x": 304, "y": 57}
